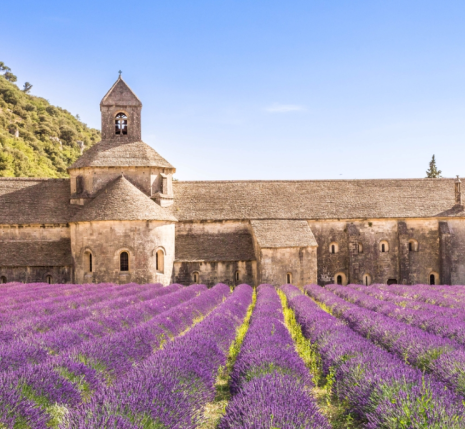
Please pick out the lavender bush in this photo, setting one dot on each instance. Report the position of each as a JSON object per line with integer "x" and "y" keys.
{"x": 378, "y": 387}
{"x": 152, "y": 396}
{"x": 79, "y": 372}
{"x": 269, "y": 381}
{"x": 413, "y": 345}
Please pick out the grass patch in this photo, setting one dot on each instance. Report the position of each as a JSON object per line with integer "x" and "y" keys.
{"x": 323, "y": 393}
{"x": 215, "y": 410}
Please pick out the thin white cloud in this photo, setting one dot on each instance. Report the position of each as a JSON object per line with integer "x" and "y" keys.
{"x": 284, "y": 108}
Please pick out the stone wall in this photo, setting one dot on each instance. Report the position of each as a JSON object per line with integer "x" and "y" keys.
{"x": 58, "y": 275}
{"x": 275, "y": 264}
{"x": 216, "y": 251}
{"x": 25, "y": 263}
{"x": 107, "y": 239}
{"x": 33, "y": 232}
{"x": 360, "y": 251}
{"x": 456, "y": 248}
{"x": 210, "y": 272}
{"x": 148, "y": 179}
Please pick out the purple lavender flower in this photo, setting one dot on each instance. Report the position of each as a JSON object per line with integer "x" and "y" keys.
{"x": 269, "y": 382}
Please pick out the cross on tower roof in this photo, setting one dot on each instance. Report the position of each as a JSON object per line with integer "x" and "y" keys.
{"x": 119, "y": 71}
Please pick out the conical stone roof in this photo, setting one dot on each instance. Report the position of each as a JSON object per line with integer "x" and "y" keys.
{"x": 121, "y": 200}
{"x": 115, "y": 153}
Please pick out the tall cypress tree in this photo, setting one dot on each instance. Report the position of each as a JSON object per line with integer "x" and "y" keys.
{"x": 433, "y": 172}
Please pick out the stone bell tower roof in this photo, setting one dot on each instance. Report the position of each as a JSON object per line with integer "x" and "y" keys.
{"x": 121, "y": 144}
{"x": 120, "y": 94}
{"x": 114, "y": 153}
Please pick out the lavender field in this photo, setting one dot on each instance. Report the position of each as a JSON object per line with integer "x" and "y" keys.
{"x": 147, "y": 356}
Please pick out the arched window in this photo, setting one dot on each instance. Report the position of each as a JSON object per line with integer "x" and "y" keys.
{"x": 360, "y": 248}
{"x": 48, "y": 279}
{"x": 160, "y": 261}
{"x": 89, "y": 262}
{"x": 237, "y": 276}
{"x": 340, "y": 279}
{"x": 383, "y": 246}
{"x": 367, "y": 279}
{"x": 413, "y": 245}
{"x": 121, "y": 123}
{"x": 333, "y": 248}
{"x": 289, "y": 278}
{"x": 124, "y": 261}
{"x": 433, "y": 279}
{"x": 3, "y": 279}
{"x": 195, "y": 277}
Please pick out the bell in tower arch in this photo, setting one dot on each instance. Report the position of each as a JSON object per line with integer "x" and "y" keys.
{"x": 120, "y": 109}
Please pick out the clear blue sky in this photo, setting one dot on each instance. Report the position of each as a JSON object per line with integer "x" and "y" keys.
{"x": 256, "y": 89}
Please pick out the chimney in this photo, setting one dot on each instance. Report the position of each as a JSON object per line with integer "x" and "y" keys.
{"x": 458, "y": 191}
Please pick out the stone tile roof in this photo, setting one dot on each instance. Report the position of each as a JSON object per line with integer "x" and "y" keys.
{"x": 117, "y": 153}
{"x": 120, "y": 93}
{"x": 230, "y": 246}
{"x": 35, "y": 201}
{"x": 283, "y": 233}
{"x": 121, "y": 200}
{"x": 315, "y": 199}
{"x": 36, "y": 253}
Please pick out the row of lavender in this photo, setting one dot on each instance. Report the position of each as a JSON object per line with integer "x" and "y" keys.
{"x": 269, "y": 382}
{"x": 378, "y": 388}
{"x": 40, "y": 393}
{"x": 379, "y": 320}
{"x": 123, "y": 379}
{"x": 172, "y": 387}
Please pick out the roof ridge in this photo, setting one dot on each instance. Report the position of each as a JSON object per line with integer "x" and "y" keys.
{"x": 313, "y": 180}
{"x": 35, "y": 179}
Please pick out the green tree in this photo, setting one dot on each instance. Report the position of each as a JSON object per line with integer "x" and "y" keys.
{"x": 433, "y": 172}
{"x": 3, "y": 67}
{"x": 27, "y": 87}
{"x": 10, "y": 76}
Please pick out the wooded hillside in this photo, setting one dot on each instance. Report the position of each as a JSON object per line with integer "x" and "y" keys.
{"x": 36, "y": 138}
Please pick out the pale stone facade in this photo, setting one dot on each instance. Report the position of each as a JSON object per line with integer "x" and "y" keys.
{"x": 120, "y": 218}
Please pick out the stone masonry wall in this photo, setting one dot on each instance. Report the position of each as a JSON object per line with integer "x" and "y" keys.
{"x": 59, "y": 275}
{"x": 107, "y": 239}
{"x": 300, "y": 262}
{"x": 147, "y": 179}
{"x": 398, "y": 263}
{"x": 211, "y": 273}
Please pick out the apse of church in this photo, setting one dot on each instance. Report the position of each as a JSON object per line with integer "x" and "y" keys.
{"x": 121, "y": 218}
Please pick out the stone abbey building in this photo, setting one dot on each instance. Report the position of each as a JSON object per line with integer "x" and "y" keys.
{"x": 121, "y": 218}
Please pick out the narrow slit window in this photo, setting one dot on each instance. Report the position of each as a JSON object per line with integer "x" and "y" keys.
{"x": 49, "y": 279}
{"x": 432, "y": 279}
{"x": 410, "y": 247}
{"x": 289, "y": 278}
{"x": 124, "y": 261}
{"x": 333, "y": 248}
{"x": 237, "y": 276}
{"x": 383, "y": 248}
{"x": 3, "y": 279}
{"x": 196, "y": 278}
{"x": 90, "y": 262}
{"x": 339, "y": 280}
{"x": 121, "y": 124}
{"x": 160, "y": 261}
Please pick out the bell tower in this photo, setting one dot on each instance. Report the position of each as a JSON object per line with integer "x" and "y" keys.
{"x": 121, "y": 114}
